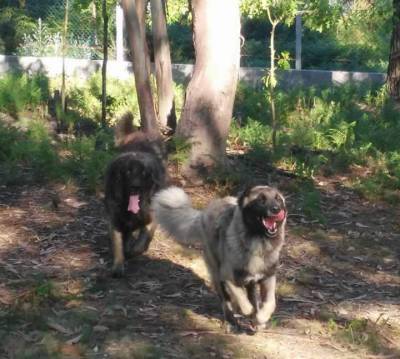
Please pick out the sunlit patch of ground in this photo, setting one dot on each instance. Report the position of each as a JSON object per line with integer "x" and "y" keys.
{"x": 337, "y": 287}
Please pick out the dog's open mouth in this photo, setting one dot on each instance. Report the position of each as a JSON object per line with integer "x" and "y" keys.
{"x": 134, "y": 205}
{"x": 271, "y": 223}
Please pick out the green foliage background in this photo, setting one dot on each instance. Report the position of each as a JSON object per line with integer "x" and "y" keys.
{"x": 342, "y": 35}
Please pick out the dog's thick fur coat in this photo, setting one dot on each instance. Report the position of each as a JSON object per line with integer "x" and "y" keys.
{"x": 131, "y": 180}
{"x": 242, "y": 239}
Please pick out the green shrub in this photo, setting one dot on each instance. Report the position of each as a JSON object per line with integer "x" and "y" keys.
{"x": 14, "y": 23}
{"x": 87, "y": 159}
{"x": 325, "y": 130}
{"x": 84, "y": 99}
{"x": 9, "y": 136}
{"x": 34, "y": 156}
{"x": 19, "y": 92}
{"x": 252, "y": 134}
{"x": 29, "y": 155}
{"x": 310, "y": 202}
{"x": 250, "y": 103}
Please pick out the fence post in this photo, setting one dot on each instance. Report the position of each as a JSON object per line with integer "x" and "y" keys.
{"x": 119, "y": 19}
{"x": 298, "y": 41}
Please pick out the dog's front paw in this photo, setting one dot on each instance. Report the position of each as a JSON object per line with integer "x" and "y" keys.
{"x": 246, "y": 309}
{"x": 259, "y": 327}
{"x": 239, "y": 327}
{"x": 118, "y": 270}
{"x": 139, "y": 249}
{"x": 262, "y": 316}
{"x": 229, "y": 328}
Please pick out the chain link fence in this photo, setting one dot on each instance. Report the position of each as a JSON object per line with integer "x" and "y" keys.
{"x": 37, "y": 28}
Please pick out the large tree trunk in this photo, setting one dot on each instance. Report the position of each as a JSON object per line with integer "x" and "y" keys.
{"x": 141, "y": 6}
{"x": 134, "y": 18}
{"x": 162, "y": 61}
{"x": 393, "y": 75}
{"x": 210, "y": 94}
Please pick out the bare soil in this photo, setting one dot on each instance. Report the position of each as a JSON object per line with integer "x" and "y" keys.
{"x": 338, "y": 297}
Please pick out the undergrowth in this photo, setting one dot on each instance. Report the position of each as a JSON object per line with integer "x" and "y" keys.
{"x": 321, "y": 131}
{"x": 325, "y": 131}
{"x": 33, "y": 156}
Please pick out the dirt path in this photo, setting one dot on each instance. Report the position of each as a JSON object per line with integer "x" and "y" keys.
{"x": 339, "y": 291}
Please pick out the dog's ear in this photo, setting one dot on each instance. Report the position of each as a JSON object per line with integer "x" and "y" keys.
{"x": 243, "y": 194}
{"x": 283, "y": 199}
{"x": 156, "y": 171}
{"x": 115, "y": 181}
{"x": 158, "y": 176}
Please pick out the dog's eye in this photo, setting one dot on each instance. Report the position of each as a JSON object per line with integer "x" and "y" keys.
{"x": 279, "y": 198}
{"x": 262, "y": 197}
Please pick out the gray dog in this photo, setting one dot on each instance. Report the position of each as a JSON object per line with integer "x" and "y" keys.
{"x": 242, "y": 239}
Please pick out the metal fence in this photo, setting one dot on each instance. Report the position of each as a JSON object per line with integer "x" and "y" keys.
{"x": 37, "y": 27}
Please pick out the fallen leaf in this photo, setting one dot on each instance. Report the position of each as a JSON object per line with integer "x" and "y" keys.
{"x": 58, "y": 327}
{"x": 100, "y": 328}
{"x": 122, "y": 308}
{"x": 75, "y": 340}
{"x": 318, "y": 294}
{"x": 6, "y": 297}
{"x": 72, "y": 202}
{"x": 71, "y": 351}
{"x": 175, "y": 295}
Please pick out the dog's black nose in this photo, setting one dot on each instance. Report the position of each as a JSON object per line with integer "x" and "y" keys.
{"x": 275, "y": 209}
{"x": 135, "y": 189}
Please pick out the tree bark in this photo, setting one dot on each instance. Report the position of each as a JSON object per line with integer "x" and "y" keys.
{"x": 393, "y": 74}
{"x": 210, "y": 94}
{"x": 134, "y": 11}
{"x": 162, "y": 62}
{"x": 104, "y": 67}
{"x": 272, "y": 84}
{"x": 141, "y": 6}
{"x": 64, "y": 54}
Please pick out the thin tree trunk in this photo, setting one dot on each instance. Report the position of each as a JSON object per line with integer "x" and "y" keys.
{"x": 272, "y": 85}
{"x": 134, "y": 18}
{"x": 210, "y": 94}
{"x": 64, "y": 53}
{"x": 162, "y": 61}
{"x": 299, "y": 35}
{"x": 393, "y": 75}
{"x": 104, "y": 68}
{"x": 94, "y": 23}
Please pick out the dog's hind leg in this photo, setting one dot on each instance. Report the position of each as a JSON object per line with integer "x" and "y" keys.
{"x": 145, "y": 236}
{"x": 117, "y": 240}
{"x": 268, "y": 301}
{"x": 129, "y": 241}
{"x": 230, "y": 322}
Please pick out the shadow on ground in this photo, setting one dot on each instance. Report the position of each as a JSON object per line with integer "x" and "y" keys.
{"x": 338, "y": 284}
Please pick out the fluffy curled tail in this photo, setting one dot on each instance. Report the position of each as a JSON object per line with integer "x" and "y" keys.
{"x": 174, "y": 212}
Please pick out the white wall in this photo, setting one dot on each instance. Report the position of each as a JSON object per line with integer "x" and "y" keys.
{"x": 52, "y": 66}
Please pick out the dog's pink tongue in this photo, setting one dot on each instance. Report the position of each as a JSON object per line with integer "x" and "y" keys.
{"x": 269, "y": 223}
{"x": 280, "y": 216}
{"x": 134, "y": 204}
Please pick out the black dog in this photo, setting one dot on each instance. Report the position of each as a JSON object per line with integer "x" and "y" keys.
{"x": 131, "y": 180}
